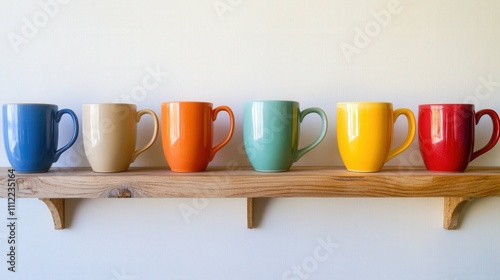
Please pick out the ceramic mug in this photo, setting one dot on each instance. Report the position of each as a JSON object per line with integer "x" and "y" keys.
{"x": 365, "y": 133}
{"x": 446, "y": 135}
{"x": 110, "y": 133}
{"x": 271, "y": 133}
{"x": 31, "y": 134}
{"x": 187, "y": 134}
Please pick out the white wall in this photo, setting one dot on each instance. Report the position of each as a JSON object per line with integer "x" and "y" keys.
{"x": 100, "y": 51}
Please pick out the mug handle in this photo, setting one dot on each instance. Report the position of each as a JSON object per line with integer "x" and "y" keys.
{"x": 322, "y": 134}
{"x": 155, "y": 131}
{"x": 72, "y": 114}
{"x": 215, "y": 112}
{"x": 495, "y": 134}
{"x": 411, "y": 131}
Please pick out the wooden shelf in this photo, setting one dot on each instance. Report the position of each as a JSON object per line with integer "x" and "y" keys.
{"x": 66, "y": 183}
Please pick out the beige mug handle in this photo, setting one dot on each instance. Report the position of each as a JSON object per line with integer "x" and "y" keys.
{"x": 155, "y": 131}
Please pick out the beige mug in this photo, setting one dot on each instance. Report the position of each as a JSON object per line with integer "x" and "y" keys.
{"x": 110, "y": 133}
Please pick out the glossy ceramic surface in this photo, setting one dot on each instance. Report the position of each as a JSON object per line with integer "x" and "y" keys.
{"x": 187, "y": 134}
{"x": 110, "y": 133}
{"x": 446, "y": 135}
{"x": 271, "y": 133}
{"x": 365, "y": 133}
{"x": 31, "y": 134}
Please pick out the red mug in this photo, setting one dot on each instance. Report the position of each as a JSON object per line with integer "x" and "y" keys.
{"x": 446, "y": 135}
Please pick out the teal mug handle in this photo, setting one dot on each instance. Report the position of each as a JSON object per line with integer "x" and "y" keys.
{"x": 72, "y": 114}
{"x": 322, "y": 134}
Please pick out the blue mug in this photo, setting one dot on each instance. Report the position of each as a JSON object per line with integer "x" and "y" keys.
{"x": 31, "y": 133}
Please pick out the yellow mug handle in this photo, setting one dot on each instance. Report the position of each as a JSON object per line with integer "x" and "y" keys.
{"x": 411, "y": 131}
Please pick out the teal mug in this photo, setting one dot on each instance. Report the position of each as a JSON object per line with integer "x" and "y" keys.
{"x": 271, "y": 131}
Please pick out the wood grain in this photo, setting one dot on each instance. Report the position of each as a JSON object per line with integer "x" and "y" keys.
{"x": 244, "y": 182}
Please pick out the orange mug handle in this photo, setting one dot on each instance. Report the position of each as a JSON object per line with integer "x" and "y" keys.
{"x": 215, "y": 112}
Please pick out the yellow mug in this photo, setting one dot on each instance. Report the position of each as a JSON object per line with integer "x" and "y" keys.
{"x": 365, "y": 131}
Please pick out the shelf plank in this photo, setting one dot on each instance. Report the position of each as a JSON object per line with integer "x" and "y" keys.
{"x": 58, "y": 184}
{"x": 219, "y": 182}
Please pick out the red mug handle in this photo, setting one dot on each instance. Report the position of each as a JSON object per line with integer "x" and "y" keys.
{"x": 495, "y": 134}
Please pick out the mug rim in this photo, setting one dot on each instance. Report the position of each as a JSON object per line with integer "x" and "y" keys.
{"x": 272, "y": 101}
{"x": 364, "y": 102}
{"x": 446, "y": 104}
{"x": 107, "y": 104}
{"x": 29, "y": 104}
{"x": 187, "y": 102}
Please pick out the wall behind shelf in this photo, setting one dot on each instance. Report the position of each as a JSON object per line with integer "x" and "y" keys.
{"x": 101, "y": 51}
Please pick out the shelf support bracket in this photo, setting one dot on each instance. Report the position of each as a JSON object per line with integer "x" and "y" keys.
{"x": 250, "y": 212}
{"x": 57, "y": 210}
{"x": 453, "y": 207}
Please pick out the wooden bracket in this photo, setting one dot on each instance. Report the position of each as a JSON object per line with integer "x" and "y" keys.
{"x": 249, "y": 212}
{"x": 57, "y": 210}
{"x": 453, "y": 207}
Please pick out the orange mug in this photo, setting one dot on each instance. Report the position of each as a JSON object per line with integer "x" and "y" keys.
{"x": 187, "y": 134}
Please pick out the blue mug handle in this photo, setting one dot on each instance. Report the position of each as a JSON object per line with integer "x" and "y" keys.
{"x": 72, "y": 114}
